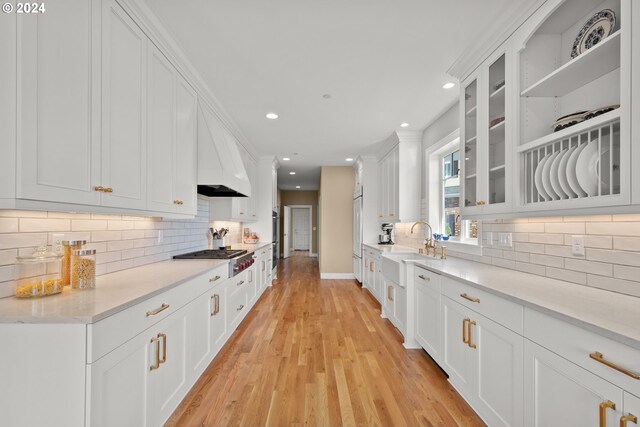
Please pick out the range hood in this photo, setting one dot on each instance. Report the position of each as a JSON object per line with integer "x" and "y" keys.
{"x": 221, "y": 172}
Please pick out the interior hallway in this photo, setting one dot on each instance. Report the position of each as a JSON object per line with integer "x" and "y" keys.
{"x": 318, "y": 353}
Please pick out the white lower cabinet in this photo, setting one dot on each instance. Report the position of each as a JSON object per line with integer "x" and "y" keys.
{"x": 394, "y": 306}
{"x": 484, "y": 361}
{"x": 560, "y": 393}
{"x": 428, "y": 324}
{"x": 631, "y": 410}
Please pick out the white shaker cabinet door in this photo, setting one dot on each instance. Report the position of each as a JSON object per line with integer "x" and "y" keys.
{"x": 57, "y": 157}
{"x": 117, "y": 385}
{"x": 124, "y": 77}
{"x": 160, "y": 132}
{"x": 199, "y": 334}
{"x": 457, "y": 356}
{"x": 499, "y": 369}
{"x": 218, "y": 317}
{"x": 559, "y": 393}
{"x": 631, "y": 411}
{"x": 186, "y": 173}
{"x": 428, "y": 324}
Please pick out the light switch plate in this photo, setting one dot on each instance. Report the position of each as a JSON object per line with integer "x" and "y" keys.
{"x": 577, "y": 245}
{"x": 505, "y": 240}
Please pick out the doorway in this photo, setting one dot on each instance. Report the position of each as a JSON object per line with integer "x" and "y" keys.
{"x": 300, "y": 229}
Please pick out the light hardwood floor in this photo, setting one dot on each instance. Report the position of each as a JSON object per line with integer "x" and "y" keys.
{"x": 317, "y": 353}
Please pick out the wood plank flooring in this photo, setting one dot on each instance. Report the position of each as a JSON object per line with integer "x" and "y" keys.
{"x": 317, "y": 353}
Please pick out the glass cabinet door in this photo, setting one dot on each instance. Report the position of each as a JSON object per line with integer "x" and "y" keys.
{"x": 497, "y": 124}
{"x": 471, "y": 143}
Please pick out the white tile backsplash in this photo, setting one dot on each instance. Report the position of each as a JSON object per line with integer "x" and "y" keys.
{"x": 122, "y": 242}
{"x": 542, "y": 246}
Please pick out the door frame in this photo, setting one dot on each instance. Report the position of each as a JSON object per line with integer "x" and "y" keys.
{"x": 310, "y": 207}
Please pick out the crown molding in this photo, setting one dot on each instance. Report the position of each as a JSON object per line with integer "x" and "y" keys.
{"x": 505, "y": 25}
{"x": 151, "y": 25}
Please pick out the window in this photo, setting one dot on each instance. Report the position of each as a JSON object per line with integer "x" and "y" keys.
{"x": 451, "y": 224}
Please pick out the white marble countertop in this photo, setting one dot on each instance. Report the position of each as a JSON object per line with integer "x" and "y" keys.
{"x": 392, "y": 248}
{"x": 251, "y": 247}
{"x": 607, "y": 313}
{"x": 114, "y": 292}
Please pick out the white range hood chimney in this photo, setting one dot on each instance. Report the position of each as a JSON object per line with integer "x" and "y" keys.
{"x": 221, "y": 172}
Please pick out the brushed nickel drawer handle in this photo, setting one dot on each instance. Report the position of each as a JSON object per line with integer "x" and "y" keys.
{"x": 599, "y": 357}
{"x": 214, "y": 279}
{"x": 240, "y": 282}
{"x": 240, "y": 308}
{"x": 423, "y": 277}
{"x": 467, "y": 297}
{"x": 162, "y": 308}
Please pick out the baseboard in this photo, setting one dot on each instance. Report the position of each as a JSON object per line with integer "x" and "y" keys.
{"x": 337, "y": 276}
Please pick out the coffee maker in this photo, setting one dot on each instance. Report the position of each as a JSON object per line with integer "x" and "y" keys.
{"x": 385, "y": 237}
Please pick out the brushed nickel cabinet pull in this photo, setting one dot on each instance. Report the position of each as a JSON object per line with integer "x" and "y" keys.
{"x": 467, "y": 297}
{"x": 603, "y": 411}
{"x": 240, "y": 308}
{"x": 157, "y": 364}
{"x": 162, "y": 308}
{"x": 599, "y": 357}
{"x": 214, "y": 279}
{"x": 163, "y": 337}
{"x": 423, "y": 277}
{"x": 240, "y": 282}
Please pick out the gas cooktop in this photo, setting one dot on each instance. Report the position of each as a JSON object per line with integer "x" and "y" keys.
{"x": 212, "y": 254}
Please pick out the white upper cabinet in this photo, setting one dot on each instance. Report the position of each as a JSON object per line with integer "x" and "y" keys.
{"x": 124, "y": 91}
{"x": 546, "y": 122}
{"x": 486, "y": 137}
{"x": 57, "y": 155}
{"x": 399, "y": 187}
{"x": 172, "y": 138}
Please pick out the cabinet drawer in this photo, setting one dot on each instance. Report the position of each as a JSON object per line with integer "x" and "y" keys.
{"x": 427, "y": 278}
{"x": 109, "y": 333}
{"x": 499, "y": 310}
{"x": 577, "y": 344}
{"x": 239, "y": 283}
{"x": 237, "y": 307}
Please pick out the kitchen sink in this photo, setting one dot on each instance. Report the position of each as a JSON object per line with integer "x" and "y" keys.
{"x": 393, "y": 268}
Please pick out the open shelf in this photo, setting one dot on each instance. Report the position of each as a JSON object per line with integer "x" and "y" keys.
{"x": 498, "y": 93}
{"x": 497, "y": 168}
{"x": 592, "y": 64}
{"x": 497, "y": 126}
{"x": 471, "y": 140}
{"x": 472, "y": 111}
{"x": 575, "y": 129}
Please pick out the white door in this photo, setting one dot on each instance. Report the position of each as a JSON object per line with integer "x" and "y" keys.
{"x": 170, "y": 382}
{"x": 55, "y": 104}
{"x": 301, "y": 222}
{"x": 559, "y": 393}
{"x": 428, "y": 324}
{"x": 457, "y": 356}
{"x": 286, "y": 227}
{"x": 119, "y": 385}
{"x": 499, "y": 370}
{"x": 161, "y": 132}
{"x": 124, "y": 76}
{"x": 186, "y": 172}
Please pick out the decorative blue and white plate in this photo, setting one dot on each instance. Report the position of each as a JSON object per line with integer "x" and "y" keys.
{"x": 596, "y": 29}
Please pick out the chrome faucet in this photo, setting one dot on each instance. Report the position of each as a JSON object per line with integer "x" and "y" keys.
{"x": 430, "y": 243}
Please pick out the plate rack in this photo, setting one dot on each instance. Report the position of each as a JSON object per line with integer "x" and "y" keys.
{"x": 580, "y": 162}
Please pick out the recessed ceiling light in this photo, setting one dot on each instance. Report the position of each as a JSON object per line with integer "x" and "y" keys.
{"x": 292, "y": 173}
{"x": 286, "y": 159}
{"x": 448, "y": 85}
{"x": 271, "y": 116}
{"x": 297, "y": 186}
{"x": 348, "y": 159}
{"x": 404, "y": 125}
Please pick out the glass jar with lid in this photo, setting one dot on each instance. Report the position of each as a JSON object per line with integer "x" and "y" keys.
{"x": 69, "y": 246}
{"x": 38, "y": 274}
{"x": 83, "y": 269}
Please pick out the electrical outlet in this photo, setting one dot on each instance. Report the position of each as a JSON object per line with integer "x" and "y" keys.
{"x": 577, "y": 245}
{"x": 56, "y": 243}
{"x": 505, "y": 240}
{"x": 160, "y": 236}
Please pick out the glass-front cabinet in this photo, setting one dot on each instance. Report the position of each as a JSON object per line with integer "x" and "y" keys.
{"x": 485, "y": 139}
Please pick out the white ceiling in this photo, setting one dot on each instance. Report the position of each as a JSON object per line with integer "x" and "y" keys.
{"x": 382, "y": 61}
